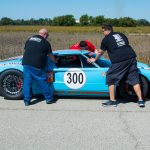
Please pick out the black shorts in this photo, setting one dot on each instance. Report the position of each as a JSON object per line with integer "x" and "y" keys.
{"x": 126, "y": 70}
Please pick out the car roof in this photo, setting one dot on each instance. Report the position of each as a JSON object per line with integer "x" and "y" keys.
{"x": 71, "y": 52}
{"x": 56, "y": 52}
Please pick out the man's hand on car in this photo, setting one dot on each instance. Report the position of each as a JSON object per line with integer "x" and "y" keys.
{"x": 91, "y": 60}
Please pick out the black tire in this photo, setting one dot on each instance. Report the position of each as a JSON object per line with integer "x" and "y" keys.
{"x": 11, "y": 84}
{"x": 126, "y": 91}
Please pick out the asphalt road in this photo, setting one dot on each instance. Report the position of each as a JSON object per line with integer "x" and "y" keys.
{"x": 74, "y": 124}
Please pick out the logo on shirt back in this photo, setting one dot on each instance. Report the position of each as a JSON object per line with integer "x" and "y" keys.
{"x": 35, "y": 39}
{"x": 119, "y": 40}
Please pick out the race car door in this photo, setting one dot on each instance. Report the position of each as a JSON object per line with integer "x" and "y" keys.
{"x": 66, "y": 74}
{"x": 95, "y": 79}
{"x": 74, "y": 76}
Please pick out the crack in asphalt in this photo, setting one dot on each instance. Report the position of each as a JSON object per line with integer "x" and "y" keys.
{"x": 127, "y": 130}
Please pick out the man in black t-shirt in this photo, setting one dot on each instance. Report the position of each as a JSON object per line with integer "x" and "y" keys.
{"x": 37, "y": 48}
{"x": 123, "y": 59}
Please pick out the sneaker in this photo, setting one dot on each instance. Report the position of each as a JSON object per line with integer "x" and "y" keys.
{"x": 50, "y": 101}
{"x": 110, "y": 103}
{"x": 27, "y": 103}
{"x": 141, "y": 103}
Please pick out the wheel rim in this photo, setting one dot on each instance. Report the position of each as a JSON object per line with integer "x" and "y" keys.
{"x": 12, "y": 84}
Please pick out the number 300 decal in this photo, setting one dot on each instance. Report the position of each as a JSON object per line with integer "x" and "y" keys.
{"x": 74, "y": 78}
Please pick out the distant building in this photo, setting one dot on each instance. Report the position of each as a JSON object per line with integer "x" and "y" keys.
{"x": 77, "y": 21}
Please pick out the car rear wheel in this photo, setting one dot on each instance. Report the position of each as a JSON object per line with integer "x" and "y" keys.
{"x": 127, "y": 91}
{"x": 11, "y": 84}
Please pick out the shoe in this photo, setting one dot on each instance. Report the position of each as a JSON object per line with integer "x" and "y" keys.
{"x": 27, "y": 103}
{"x": 141, "y": 103}
{"x": 50, "y": 101}
{"x": 110, "y": 103}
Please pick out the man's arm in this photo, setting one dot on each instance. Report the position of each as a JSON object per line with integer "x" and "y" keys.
{"x": 99, "y": 53}
{"x": 52, "y": 57}
{"x": 50, "y": 54}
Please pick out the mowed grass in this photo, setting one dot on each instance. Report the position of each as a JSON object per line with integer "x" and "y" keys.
{"x": 73, "y": 29}
{"x": 12, "y": 38}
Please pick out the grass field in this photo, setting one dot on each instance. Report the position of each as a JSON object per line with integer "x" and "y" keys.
{"x": 12, "y": 38}
{"x": 73, "y": 29}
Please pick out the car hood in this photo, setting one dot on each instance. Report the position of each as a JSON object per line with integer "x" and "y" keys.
{"x": 11, "y": 58}
{"x": 143, "y": 65}
{"x": 140, "y": 64}
{"x": 11, "y": 61}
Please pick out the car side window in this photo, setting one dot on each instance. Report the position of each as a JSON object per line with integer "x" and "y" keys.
{"x": 68, "y": 61}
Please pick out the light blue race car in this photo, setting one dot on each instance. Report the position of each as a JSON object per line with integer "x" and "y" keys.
{"x": 72, "y": 75}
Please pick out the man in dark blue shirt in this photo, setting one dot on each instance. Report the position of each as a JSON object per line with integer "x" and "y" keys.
{"x": 37, "y": 48}
{"x": 123, "y": 59}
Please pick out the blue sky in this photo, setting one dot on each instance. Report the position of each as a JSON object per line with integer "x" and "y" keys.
{"x": 26, "y": 9}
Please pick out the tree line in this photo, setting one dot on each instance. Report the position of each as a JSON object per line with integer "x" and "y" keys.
{"x": 85, "y": 20}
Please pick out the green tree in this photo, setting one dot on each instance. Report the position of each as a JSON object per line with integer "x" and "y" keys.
{"x": 67, "y": 20}
{"x": 143, "y": 22}
{"x": 127, "y": 22}
{"x": 6, "y": 21}
{"x": 99, "y": 20}
{"x": 32, "y": 21}
{"x": 46, "y": 21}
{"x": 114, "y": 22}
{"x": 91, "y": 20}
{"x": 84, "y": 20}
{"x": 19, "y": 22}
